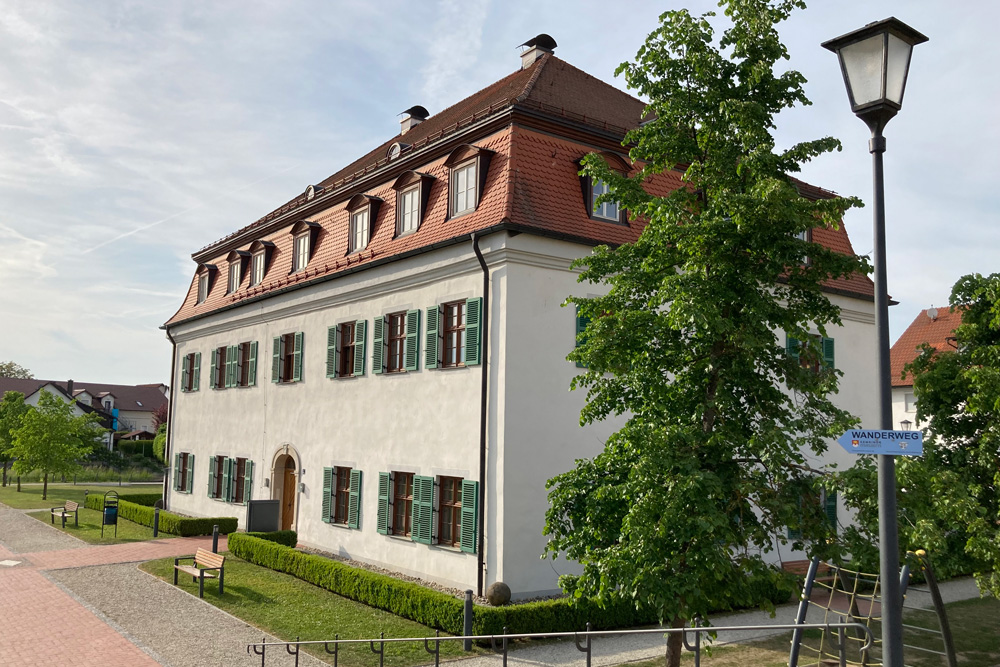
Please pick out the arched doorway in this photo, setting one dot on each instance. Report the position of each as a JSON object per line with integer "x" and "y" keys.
{"x": 284, "y": 474}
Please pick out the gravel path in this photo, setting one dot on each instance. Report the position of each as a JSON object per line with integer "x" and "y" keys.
{"x": 175, "y": 628}
{"x": 22, "y": 534}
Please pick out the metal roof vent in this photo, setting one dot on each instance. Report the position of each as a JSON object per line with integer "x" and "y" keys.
{"x": 535, "y": 47}
{"x": 414, "y": 116}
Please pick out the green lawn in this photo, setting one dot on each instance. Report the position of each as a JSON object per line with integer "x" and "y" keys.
{"x": 30, "y": 496}
{"x": 973, "y": 626}
{"x": 89, "y": 529}
{"x": 287, "y": 607}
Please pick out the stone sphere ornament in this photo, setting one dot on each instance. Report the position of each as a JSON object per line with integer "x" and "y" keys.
{"x": 498, "y": 594}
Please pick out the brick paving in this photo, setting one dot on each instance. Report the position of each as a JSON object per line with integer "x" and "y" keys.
{"x": 41, "y": 624}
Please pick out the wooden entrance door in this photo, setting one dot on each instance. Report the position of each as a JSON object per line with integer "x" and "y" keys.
{"x": 288, "y": 497}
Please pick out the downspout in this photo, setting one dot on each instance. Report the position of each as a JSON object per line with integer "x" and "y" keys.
{"x": 170, "y": 415}
{"x": 485, "y": 328}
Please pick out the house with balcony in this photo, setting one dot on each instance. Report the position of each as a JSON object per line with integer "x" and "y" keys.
{"x": 385, "y": 353}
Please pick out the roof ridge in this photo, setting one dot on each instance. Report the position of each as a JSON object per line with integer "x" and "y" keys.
{"x": 534, "y": 77}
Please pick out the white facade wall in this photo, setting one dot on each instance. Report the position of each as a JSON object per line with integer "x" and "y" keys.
{"x": 139, "y": 420}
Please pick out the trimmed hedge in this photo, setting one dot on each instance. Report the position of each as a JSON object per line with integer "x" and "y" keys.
{"x": 287, "y": 537}
{"x": 95, "y": 500}
{"x": 444, "y": 612}
{"x": 169, "y": 522}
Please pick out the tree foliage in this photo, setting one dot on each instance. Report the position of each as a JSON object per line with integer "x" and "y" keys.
{"x": 949, "y": 498}
{"x": 12, "y": 411}
{"x": 10, "y": 369}
{"x": 52, "y": 439}
{"x": 711, "y": 465}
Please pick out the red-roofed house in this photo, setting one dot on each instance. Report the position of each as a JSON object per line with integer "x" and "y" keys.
{"x": 385, "y": 353}
{"x": 933, "y": 326}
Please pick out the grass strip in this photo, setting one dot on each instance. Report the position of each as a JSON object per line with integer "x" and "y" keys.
{"x": 286, "y": 607}
{"x": 89, "y": 529}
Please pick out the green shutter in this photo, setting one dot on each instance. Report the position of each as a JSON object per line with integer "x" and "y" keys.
{"x": 422, "y": 514}
{"x": 212, "y": 473}
{"x": 231, "y": 362}
{"x": 297, "y": 358}
{"x": 792, "y": 346}
{"x": 190, "y": 473}
{"x": 185, "y": 372}
{"x": 177, "y": 472}
{"x": 212, "y": 382}
{"x": 327, "y": 494}
{"x": 276, "y": 360}
{"x": 197, "y": 372}
{"x": 384, "y": 491}
{"x": 360, "y": 334}
{"x": 354, "y": 502}
{"x": 431, "y": 340}
{"x": 247, "y": 481}
{"x": 581, "y": 326}
{"x": 227, "y": 479}
{"x": 473, "y": 315}
{"x": 411, "y": 353}
{"x": 331, "y": 351}
{"x": 252, "y": 365}
{"x": 378, "y": 345}
{"x": 831, "y": 509}
{"x": 470, "y": 516}
{"x": 828, "y": 353}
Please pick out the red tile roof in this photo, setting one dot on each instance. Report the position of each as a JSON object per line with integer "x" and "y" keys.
{"x": 532, "y": 185}
{"x": 923, "y": 329}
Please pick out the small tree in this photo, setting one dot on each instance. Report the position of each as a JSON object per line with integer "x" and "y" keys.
{"x": 51, "y": 439}
{"x": 161, "y": 415}
{"x": 9, "y": 369}
{"x": 12, "y": 411}
{"x": 711, "y": 466}
{"x": 949, "y": 498}
{"x": 160, "y": 443}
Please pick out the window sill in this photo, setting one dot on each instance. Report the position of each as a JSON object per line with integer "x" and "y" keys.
{"x": 400, "y": 235}
{"x": 459, "y": 214}
{"x": 402, "y": 538}
{"x": 610, "y": 221}
{"x": 355, "y": 251}
{"x": 344, "y": 377}
{"x": 341, "y": 526}
{"x": 451, "y": 368}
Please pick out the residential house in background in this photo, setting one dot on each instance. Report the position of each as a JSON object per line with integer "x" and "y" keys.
{"x": 933, "y": 326}
{"x": 384, "y": 354}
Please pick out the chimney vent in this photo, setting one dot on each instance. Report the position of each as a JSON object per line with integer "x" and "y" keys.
{"x": 414, "y": 116}
{"x": 535, "y": 47}
{"x": 69, "y": 388}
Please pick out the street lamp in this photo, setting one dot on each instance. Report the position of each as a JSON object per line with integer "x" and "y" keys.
{"x": 875, "y": 61}
{"x": 906, "y": 424}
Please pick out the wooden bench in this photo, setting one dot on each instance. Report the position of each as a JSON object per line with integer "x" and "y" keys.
{"x": 63, "y": 512}
{"x": 205, "y": 562}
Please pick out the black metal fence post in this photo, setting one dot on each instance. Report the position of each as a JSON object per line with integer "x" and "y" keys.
{"x": 156, "y": 522}
{"x": 215, "y": 539}
{"x": 467, "y": 626}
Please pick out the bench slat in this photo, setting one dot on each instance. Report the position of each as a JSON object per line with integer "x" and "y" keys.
{"x": 193, "y": 571}
{"x": 206, "y": 558}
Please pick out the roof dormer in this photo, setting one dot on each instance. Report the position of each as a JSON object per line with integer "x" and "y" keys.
{"x": 205, "y": 278}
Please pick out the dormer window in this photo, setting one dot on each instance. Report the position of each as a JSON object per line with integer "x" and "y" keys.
{"x": 260, "y": 252}
{"x": 412, "y": 193}
{"x": 363, "y": 212}
{"x": 304, "y": 235}
{"x": 468, "y": 167}
{"x": 234, "y": 277}
{"x": 608, "y": 210}
{"x": 202, "y": 287}
{"x": 237, "y": 264}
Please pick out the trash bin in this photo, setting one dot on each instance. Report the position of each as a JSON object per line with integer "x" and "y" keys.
{"x": 110, "y": 516}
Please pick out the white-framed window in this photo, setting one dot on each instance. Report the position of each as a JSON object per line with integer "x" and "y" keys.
{"x": 911, "y": 401}
{"x": 257, "y": 269}
{"x": 234, "y": 277}
{"x": 359, "y": 230}
{"x": 300, "y": 252}
{"x": 463, "y": 188}
{"x": 409, "y": 210}
{"x": 609, "y": 209}
{"x": 202, "y": 287}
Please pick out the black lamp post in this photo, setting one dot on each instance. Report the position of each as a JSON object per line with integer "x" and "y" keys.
{"x": 875, "y": 61}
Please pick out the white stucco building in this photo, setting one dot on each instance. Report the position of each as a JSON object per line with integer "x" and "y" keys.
{"x": 385, "y": 353}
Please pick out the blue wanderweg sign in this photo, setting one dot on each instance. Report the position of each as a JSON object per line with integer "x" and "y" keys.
{"x": 893, "y": 443}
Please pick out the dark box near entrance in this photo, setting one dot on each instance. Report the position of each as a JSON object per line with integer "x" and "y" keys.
{"x": 262, "y": 516}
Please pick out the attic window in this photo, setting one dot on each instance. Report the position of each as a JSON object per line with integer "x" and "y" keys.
{"x": 139, "y": 403}
{"x": 304, "y": 234}
{"x": 363, "y": 212}
{"x": 412, "y": 194}
{"x": 202, "y": 287}
{"x": 607, "y": 211}
{"x": 394, "y": 151}
{"x": 468, "y": 167}
{"x": 206, "y": 276}
{"x": 260, "y": 258}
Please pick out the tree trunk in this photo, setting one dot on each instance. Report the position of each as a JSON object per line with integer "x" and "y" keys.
{"x": 675, "y": 645}
{"x": 19, "y": 484}
{"x": 4, "y": 473}
{"x": 45, "y": 485}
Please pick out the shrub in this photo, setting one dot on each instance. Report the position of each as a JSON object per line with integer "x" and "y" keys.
{"x": 169, "y": 522}
{"x": 132, "y": 447}
{"x": 287, "y": 537}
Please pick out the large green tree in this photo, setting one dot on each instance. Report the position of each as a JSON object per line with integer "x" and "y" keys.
{"x": 949, "y": 498}
{"x": 12, "y": 411}
{"x": 711, "y": 465}
{"x": 52, "y": 439}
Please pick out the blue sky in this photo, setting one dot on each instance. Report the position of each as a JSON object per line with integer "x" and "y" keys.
{"x": 134, "y": 133}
